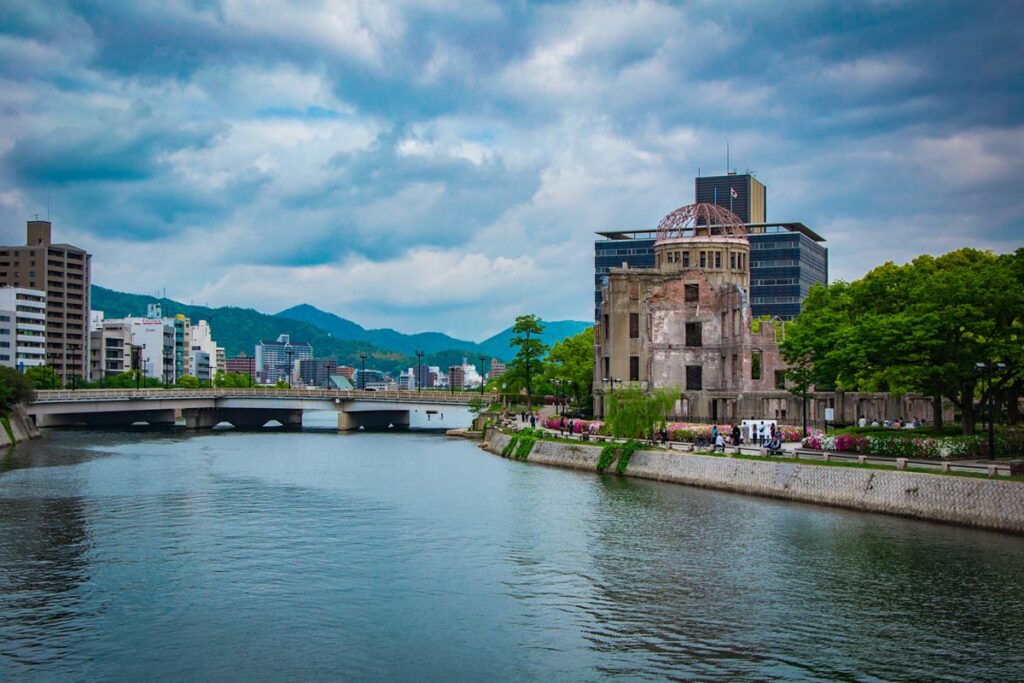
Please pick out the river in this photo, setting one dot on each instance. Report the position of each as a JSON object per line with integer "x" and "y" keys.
{"x": 233, "y": 556}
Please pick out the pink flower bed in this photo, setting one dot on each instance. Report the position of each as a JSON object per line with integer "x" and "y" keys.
{"x": 591, "y": 426}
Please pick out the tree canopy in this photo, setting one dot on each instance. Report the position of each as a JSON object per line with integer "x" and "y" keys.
{"x": 43, "y": 377}
{"x": 14, "y": 388}
{"x": 530, "y": 350}
{"x": 923, "y": 327}
{"x": 572, "y": 362}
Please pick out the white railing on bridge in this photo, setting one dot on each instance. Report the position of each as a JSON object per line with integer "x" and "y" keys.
{"x": 67, "y": 395}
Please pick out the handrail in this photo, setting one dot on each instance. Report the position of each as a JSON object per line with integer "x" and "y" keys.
{"x": 78, "y": 395}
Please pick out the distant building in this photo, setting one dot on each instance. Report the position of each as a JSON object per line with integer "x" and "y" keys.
{"x": 347, "y": 371}
{"x": 22, "y": 327}
{"x": 407, "y": 380}
{"x": 110, "y": 348}
{"x": 200, "y": 366}
{"x": 275, "y": 360}
{"x": 497, "y": 369}
{"x": 786, "y": 259}
{"x": 242, "y": 364}
{"x": 63, "y": 271}
{"x": 425, "y": 376}
{"x": 202, "y": 340}
{"x": 366, "y": 378}
{"x": 313, "y": 371}
{"x": 456, "y": 376}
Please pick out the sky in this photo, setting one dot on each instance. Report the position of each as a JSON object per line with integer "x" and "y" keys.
{"x": 443, "y": 165}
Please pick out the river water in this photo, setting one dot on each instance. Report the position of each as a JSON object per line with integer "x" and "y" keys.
{"x": 273, "y": 556}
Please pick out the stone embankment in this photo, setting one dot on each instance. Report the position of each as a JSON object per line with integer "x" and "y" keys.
{"x": 22, "y": 428}
{"x": 985, "y": 503}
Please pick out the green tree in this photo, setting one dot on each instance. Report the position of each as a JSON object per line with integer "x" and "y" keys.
{"x": 43, "y": 377}
{"x": 530, "y": 351}
{"x": 14, "y": 388}
{"x": 632, "y": 413}
{"x": 188, "y": 382}
{"x": 233, "y": 380}
{"x": 923, "y": 327}
{"x": 572, "y": 361}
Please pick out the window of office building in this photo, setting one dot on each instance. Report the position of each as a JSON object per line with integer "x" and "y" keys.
{"x": 694, "y": 378}
{"x": 634, "y": 325}
{"x": 694, "y": 335}
{"x": 691, "y": 292}
{"x": 634, "y": 368}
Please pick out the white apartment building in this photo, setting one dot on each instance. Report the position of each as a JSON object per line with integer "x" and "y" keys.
{"x": 202, "y": 340}
{"x": 22, "y": 327}
{"x": 110, "y": 347}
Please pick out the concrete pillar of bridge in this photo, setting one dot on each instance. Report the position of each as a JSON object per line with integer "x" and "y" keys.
{"x": 202, "y": 418}
{"x": 347, "y": 422}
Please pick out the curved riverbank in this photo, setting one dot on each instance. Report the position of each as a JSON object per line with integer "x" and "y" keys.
{"x": 983, "y": 503}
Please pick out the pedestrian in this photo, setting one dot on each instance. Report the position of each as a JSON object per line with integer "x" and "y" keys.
{"x": 736, "y": 435}
{"x": 664, "y": 433}
{"x": 762, "y": 432}
{"x": 561, "y": 427}
{"x": 719, "y": 442}
{"x": 714, "y": 433}
{"x": 572, "y": 427}
{"x": 533, "y": 421}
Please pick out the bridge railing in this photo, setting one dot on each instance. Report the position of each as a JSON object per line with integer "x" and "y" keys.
{"x": 67, "y": 395}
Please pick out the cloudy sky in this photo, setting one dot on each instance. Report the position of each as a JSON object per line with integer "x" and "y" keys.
{"x": 443, "y": 164}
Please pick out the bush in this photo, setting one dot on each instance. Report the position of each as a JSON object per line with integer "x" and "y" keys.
{"x": 14, "y": 388}
{"x": 899, "y": 444}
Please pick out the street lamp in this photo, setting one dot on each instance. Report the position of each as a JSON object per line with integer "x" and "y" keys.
{"x": 362, "y": 370}
{"x": 481, "y": 374}
{"x": 419, "y": 369}
{"x": 986, "y": 369}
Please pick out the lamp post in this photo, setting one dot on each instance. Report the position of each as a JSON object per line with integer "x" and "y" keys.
{"x": 482, "y": 374}
{"x": 419, "y": 369}
{"x": 610, "y": 381}
{"x": 986, "y": 370}
{"x": 362, "y": 371}
{"x": 559, "y": 393}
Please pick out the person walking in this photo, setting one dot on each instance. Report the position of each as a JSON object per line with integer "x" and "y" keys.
{"x": 762, "y": 432}
{"x": 735, "y": 435}
{"x": 533, "y": 421}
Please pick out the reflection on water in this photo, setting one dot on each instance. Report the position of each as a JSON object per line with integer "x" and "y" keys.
{"x": 318, "y": 556}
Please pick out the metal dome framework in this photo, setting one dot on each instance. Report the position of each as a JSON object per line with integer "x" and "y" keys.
{"x": 700, "y": 220}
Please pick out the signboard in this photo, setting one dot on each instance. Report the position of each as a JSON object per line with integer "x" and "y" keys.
{"x": 830, "y": 414}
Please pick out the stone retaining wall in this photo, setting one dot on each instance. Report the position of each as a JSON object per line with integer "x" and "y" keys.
{"x": 21, "y": 425}
{"x": 986, "y": 503}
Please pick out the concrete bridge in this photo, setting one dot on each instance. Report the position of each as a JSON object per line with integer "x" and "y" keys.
{"x": 243, "y": 408}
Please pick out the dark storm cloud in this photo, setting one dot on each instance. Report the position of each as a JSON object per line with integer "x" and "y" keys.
{"x": 114, "y": 146}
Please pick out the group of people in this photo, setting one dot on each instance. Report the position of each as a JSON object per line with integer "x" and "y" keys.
{"x": 912, "y": 423}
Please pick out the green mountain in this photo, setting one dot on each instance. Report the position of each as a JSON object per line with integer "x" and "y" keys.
{"x": 428, "y": 342}
{"x": 342, "y": 328}
{"x": 554, "y": 332}
{"x": 238, "y": 329}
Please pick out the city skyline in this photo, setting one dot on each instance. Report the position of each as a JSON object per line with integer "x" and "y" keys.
{"x": 423, "y": 166}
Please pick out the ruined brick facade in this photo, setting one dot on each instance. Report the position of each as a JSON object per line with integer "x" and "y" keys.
{"x": 686, "y": 325}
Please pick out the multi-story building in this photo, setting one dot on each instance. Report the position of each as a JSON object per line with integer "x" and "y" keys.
{"x": 202, "y": 340}
{"x": 110, "y": 348}
{"x": 407, "y": 380}
{"x": 686, "y": 323}
{"x": 156, "y": 339}
{"x": 424, "y": 376}
{"x": 275, "y": 360}
{"x": 456, "y": 376}
{"x": 200, "y": 366}
{"x": 347, "y": 371}
{"x": 786, "y": 258}
{"x": 497, "y": 368}
{"x": 312, "y": 372}
{"x": 63, "y": 271}
{"x": 374, "y": 379}
{"x": 182, "y": 327}
{"x": 22, "y": 327}
{"x": 241, "y": 364}
{"x": 744, "y": 195}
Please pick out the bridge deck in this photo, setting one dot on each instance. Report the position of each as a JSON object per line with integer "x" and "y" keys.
{"x": 95, "y": 395}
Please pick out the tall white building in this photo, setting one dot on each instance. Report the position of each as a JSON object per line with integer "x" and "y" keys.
{"x": 202, "y": 340}
{"x": 22, "y": 327}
